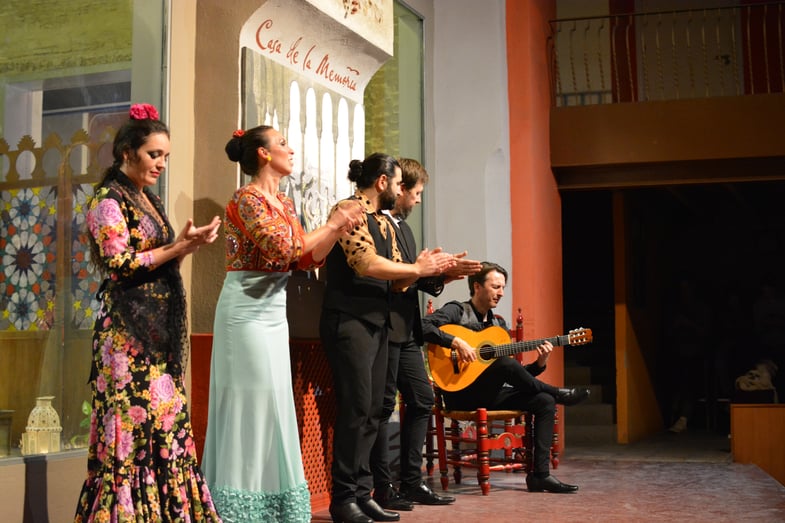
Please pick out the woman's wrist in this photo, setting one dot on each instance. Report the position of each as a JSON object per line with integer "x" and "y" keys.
{"x": 334, "y": 228}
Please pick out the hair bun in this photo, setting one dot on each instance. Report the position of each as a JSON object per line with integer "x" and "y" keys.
{"x": 234, "y": 149}
{"x": 355, "y": 170}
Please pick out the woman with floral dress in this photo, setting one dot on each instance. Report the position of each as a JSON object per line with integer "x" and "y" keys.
{"x": 141, "y": 460}
{"x": 252, "y": 457}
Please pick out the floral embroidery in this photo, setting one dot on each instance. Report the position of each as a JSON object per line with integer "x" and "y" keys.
{"x": 260, "y": 237}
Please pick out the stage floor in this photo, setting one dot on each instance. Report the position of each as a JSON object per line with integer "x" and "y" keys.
{"x": 669, "y": 477}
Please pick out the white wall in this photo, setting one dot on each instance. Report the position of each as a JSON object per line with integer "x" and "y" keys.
{"x": 467, "y": 202}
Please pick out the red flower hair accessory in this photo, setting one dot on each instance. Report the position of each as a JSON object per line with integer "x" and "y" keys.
{"x": 143, "y": 112}
{"x": 238, "y": 133}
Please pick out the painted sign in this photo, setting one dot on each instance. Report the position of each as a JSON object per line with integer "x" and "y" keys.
{"x": 301, "y": 37}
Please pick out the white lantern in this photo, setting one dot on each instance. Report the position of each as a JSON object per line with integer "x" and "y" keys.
{"x": 43, "y": 428}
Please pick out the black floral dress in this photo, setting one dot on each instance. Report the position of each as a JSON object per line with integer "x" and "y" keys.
{"x": 142, "y": 460}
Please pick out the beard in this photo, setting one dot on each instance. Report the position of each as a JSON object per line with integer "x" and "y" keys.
{"x": 387, "y": 200}
{"x": 402, "y": 212}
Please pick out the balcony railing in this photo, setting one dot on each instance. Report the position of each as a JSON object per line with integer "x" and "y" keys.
{"x": 682, "y": 54}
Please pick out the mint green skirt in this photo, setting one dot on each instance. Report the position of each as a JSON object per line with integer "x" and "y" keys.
{"x": 252, "y": 458}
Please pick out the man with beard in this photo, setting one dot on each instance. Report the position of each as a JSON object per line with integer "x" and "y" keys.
{"x": 405, "y": 364}
{"x": 505, "y": 384}
{"x": 363, "y": 270}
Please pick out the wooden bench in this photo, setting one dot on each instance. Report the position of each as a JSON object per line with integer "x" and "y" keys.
{"x": 758, "y": 436}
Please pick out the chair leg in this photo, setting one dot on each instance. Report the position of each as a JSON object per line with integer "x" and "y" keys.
{"x": 483, "y": 452}
{"x": 441, "y": 447}
{"x": 508, "y": 450}
{"x": 429, "y": 446}
{"x": 555, "y": 442}
{"x": 455, "y": 434}
{"x": 528, "y": 443}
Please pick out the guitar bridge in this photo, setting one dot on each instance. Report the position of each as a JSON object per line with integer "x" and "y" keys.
{"x": 454, "y": 359}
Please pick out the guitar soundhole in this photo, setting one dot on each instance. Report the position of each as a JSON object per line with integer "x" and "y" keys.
{"x": 487, "y": 352}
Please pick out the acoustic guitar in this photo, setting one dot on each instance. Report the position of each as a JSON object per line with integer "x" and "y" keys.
{"x": 493, "y": 342}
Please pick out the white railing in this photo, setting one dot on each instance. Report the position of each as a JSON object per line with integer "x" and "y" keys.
{"x": 682, "y": 54}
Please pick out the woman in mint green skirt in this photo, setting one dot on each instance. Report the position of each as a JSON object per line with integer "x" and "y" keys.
{"x": 252, "y": 457}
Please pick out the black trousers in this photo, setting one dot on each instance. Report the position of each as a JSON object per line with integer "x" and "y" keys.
{"x": 357, "y": 354}
{"x": 507, "y": 385}
{"x": 406, "y": 373}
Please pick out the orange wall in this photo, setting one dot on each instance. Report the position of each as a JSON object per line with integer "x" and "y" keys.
{"x": 535, "y": 201}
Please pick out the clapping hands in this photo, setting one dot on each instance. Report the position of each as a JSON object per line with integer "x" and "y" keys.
{"x": 191, "y": 237}
{"x": 434, "y": 262}
{"x": 463, "y": 267}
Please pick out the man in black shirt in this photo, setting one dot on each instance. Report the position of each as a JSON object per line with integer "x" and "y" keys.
{"x": 405, "y": 365}
{"x": 362, "y": 270}
{"x": 505, "y": 384}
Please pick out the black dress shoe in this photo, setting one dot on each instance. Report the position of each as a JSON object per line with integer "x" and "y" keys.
{"x": 388, "y": 497}
{"x": 372, "y": 509}
{"x": 548, "y": 484}
{"x": 426, "y": 496}
{"x": 348, "y": 513}
{"x": 571, "y": 396}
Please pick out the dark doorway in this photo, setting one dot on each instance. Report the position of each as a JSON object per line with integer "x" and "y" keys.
{"x": 728, "y": 238}
{"x": 587, "y": 232}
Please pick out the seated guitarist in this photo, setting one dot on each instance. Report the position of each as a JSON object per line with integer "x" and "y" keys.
{"x": 505, "y": 384}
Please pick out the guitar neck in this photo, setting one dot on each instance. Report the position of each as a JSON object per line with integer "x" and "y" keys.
{"x": 524, "y": 346}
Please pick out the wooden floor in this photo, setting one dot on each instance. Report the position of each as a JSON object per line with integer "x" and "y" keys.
{"x": 670, "y": 477}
